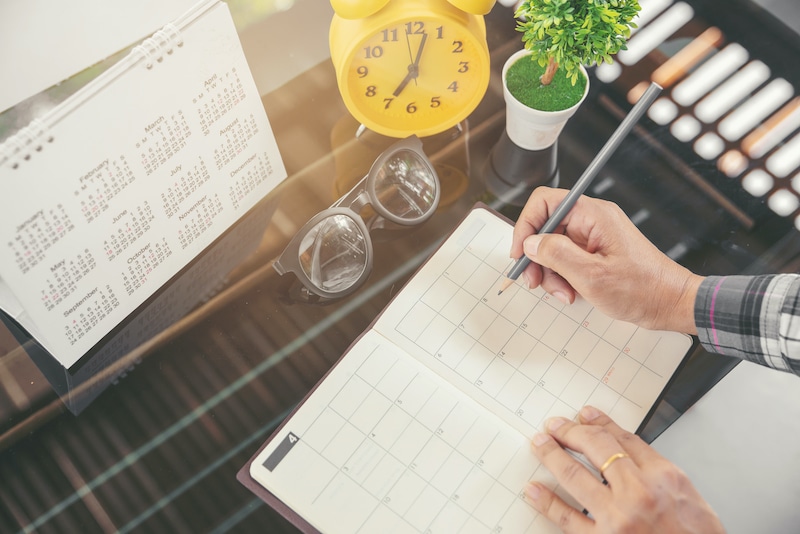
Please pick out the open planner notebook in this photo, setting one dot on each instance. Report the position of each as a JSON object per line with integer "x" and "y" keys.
{"x": 111, "y": 193}
{"x": 424, "y": 424}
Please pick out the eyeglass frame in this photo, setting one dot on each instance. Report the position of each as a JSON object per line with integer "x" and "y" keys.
{"x": 360, "y": 195}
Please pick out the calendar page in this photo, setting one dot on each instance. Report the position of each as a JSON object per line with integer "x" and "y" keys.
{"x": 424, "y": 425}
{"x": 109, "y": 195}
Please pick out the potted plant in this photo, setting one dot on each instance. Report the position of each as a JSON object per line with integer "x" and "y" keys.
{"x": 560, "y": 39}
{"x": 546, "y": 82}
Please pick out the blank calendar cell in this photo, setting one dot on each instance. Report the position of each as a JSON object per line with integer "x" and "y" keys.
{"x": 482, "y": 277}
{"x": 662, "y": 359}
{"x": 520, "y": 306}
{"x": 515, "y": 391}
{"x": 485, "y": 242}
{"x": 454, "y": 348}
{"x": 436, "y": 408}
{"x": 424, "y": 509}
{"x": 478, "y": 320}
{"x": 314, "y": 472}
{"x": 462, "y": 268}
{"x": 450, "y": 519}
{"x": 560, "y": 332}
{"x": 498, "y": 334}
{"x": 416, "y": 394}
{"x": 404, "y": 493}
{"x": 430, "y": 458}
{"x": 440, "y": 293}
{"x": 341, "y": 496}
{"x": 534, "y": 408}
{"x": 600, "y": 359}
{"x": 410, "y": 442}
{"x": 619, "y": 334}
{"x": 518, "y": 517}
{"x": 322, "y": 431}
{"x": 579, "y": 346}
{"x": 452, "y": 472}
{"x": 520, "y": 469}
{"x": 351, "y": 397}
{"x": 456, "y": 424}
{"x": 597, "y": 322}
{"x": 517, "y": 348}
{"x": 578, "y": 389}
{"x": 643, "y": 390}
{"x": 578, "y": 311}
{"x": 537, "y": 362}
{"x": 390, "y": 427}
{"x": 370, "y": 411}
{"x": 603, "y": 398}
{"x": 558, "y": 375}
{"x": 474, "y": 363}
{"x": 621, "y": 373}
{"x": 373, "y": 369}
{"x": 384, "y": 476}
{"x": 363, "y": 461}
{"x": 476, "y": 440}
{"x": 420, "y": 315}
{"x": 435, "y": 334}
{"x": 625, "y": 413}
{"x": 383, "y": 519}
{"x": 498, "y": 258}
{"x": 539, "y": 320}
{"x": 346, "y": 440}
{"x": 641, "y": 344}
{"x": 499, "y": 454}
{"x": 494, "y": 378}
{"x": 494, "y": 505}
{"x": 396, "y": 380}
{"x": 459, "y": 306}
{"x": 473, "y": 489}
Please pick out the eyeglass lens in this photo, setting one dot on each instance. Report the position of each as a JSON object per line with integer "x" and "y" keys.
{"x": 405, "y": 186}
{"x": 333, "y": 254}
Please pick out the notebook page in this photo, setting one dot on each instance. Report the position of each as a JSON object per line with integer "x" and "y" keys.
{"x": 113, "y": 192}
{"x": 386, "y": 445}
{"x": 429, "y": 431}
{"x": 522, "y": 354}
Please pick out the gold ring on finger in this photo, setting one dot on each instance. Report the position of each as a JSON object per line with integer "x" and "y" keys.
{"x": 611, "y": 459}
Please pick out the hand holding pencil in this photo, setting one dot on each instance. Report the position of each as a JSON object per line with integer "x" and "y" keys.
{"x": 588, "y": 176}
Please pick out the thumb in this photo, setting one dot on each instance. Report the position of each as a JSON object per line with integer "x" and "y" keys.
{"x": 557, "y": 252}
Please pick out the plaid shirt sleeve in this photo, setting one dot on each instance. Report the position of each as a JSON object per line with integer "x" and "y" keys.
{"x": 755, "y": 318}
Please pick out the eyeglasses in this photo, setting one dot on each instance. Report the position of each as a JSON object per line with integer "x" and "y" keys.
{"x": 332, "y": 253}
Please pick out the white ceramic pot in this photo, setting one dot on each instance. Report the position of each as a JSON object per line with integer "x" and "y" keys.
{"x": 529, "y": 128}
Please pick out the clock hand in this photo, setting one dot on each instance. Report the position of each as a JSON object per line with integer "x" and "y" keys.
{"x": 413, "y": 69}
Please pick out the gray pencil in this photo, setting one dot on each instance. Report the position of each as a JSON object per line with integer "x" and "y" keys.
{"x": 588, "y": 175}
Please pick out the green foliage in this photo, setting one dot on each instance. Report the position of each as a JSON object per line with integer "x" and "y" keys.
{"x": 575, "y": 32}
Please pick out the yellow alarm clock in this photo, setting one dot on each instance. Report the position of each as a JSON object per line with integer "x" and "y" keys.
{"x": 408, "y": 67}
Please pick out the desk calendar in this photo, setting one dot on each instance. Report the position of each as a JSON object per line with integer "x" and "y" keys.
{"x": 110, "y": 194}
{"x": 423, "y": 426}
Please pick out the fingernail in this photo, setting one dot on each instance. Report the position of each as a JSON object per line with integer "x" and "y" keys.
{"x": 554, "y": 423}
{"x": 561, "y": 297}
{"x": 589, "y": 413}
{"x": 540, "y": 439}
{"x": 527, "y": 278}
{"x": 533, "y": 491}
{"x": 531, "y": 245}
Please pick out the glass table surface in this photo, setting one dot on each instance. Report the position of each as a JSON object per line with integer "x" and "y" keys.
{"x": 153, "y": 442}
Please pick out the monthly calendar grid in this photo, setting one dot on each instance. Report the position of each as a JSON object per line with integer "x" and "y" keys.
{"x": 571, "y": 356}
{"x": 479, "y": 458}
{"x": 425, "y": 424}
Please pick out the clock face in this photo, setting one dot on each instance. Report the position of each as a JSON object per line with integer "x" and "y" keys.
{"x": 415, "y": 76}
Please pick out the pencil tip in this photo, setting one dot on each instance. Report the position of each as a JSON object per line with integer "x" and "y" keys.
{"x": 500, "y": 292}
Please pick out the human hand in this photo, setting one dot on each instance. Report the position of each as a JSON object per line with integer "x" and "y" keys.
{"x": 599, "y": 253}
{"x": 645, "y": 492}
